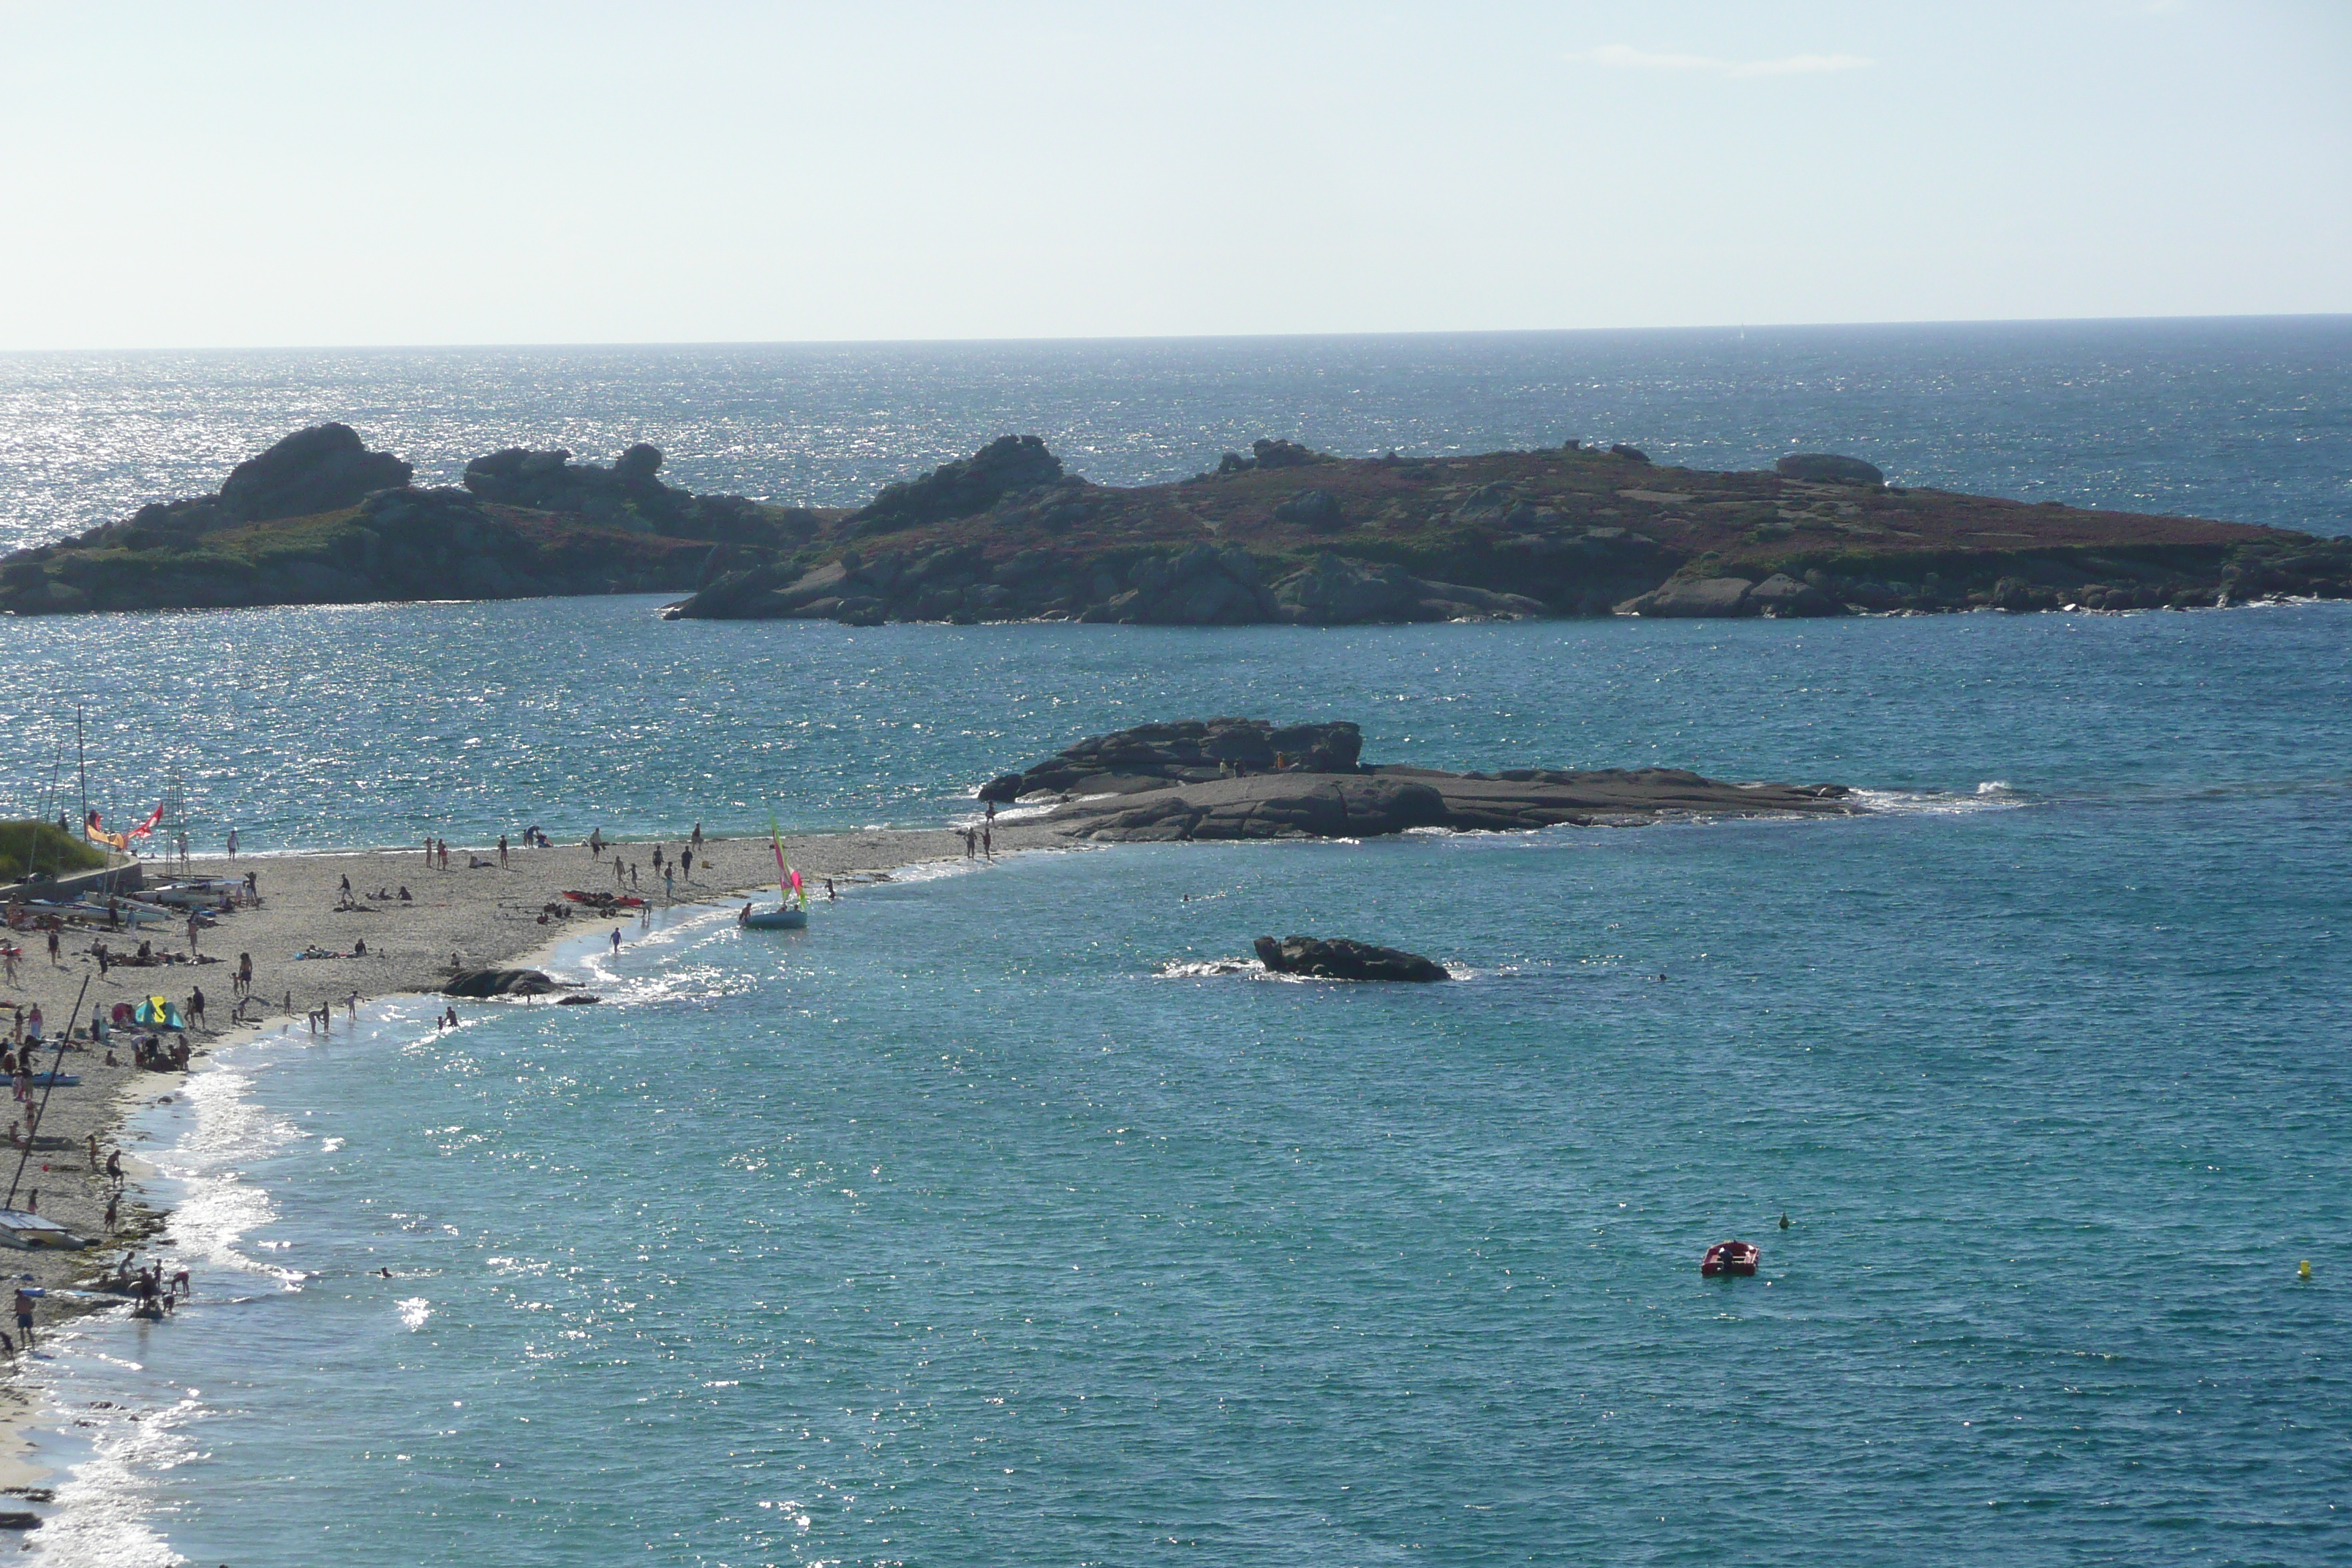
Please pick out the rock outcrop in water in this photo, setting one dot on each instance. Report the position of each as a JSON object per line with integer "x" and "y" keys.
{"x": 1284, "y": 536}
{"x": 1192, "y": 750}
{"x": 484, "y": 984}
{"x": 320, "y": 518}
{"x": 1339, "y": 958}
{"x": 1216, "y": 780}
{"x": 1288, "y": 536}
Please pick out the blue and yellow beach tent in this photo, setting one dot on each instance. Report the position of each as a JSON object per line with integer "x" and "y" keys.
{"x": 158, "y": 1013}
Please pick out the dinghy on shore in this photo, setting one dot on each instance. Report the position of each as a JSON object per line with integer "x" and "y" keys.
{"x": 783, "y": 917}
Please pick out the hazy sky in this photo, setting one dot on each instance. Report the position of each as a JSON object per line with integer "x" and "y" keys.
{"x": 189, "y": 174}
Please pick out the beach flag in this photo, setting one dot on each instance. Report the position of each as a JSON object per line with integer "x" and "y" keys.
{"x": 95, "y": 831}
{"x": 147, "y": 828}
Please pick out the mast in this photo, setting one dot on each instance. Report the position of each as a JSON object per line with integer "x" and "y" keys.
{"x": 64, "y": 1034}
{"x": 81, "y": 758}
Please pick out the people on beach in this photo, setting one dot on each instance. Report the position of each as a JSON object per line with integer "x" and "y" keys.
{"x": 449, "y": 1019}
{"x": 830, "y": 897}
{"x": 988, "y": 841}
{"x": 686, "y": 859}
{"x": 243, "y": 973}
{"x": 503, "y": 851}
{"x": 596, "y": 843}
{"x": 406, "y": 897}
{"x": 232, "y": 843}
{"x": 668, "y": 887}
{"x": 194, "y": 1012}
{"x": 445, "y": 855}
{"x": 25, "y": 1315}
{"x": 616, "y": 939}
{"x": 695, "y": 842}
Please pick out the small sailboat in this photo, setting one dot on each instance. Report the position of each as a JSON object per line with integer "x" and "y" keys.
{"x": 783, "y": 917}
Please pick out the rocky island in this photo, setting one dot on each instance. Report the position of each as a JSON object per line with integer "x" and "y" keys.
{"x": 1281, "y": 535}
{"x": 1247, "y": 779}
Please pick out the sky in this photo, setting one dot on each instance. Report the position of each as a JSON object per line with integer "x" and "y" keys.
{"x": 255, "y": 175}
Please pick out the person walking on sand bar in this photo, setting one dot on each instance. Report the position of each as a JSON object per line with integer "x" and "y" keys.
{"x": 616, "y": 939}
{"x": 685, "y": 863}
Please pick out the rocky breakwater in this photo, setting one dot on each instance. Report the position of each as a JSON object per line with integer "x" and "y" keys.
{"x": 1227, "y": 779}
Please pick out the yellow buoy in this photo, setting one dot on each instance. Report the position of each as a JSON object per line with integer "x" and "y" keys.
{"x": 2304, "y": 1272}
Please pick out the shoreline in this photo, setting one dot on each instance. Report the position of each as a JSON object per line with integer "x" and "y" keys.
{"x": 489, "y": 917}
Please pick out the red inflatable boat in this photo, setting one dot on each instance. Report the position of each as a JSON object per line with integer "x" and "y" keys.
{"x": 1729, "y": 1257}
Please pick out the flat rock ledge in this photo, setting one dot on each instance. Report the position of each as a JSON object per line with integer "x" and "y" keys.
{"x": 1246, "y": 778}
{"x": 1392, "y": 800}
{"x": 1339, "y": 958}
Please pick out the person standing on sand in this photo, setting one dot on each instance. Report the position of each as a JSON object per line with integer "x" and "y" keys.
{"x": 685, "y": 863}
{"x": 695, "y": 841}
{"x": 988, "y": 841}
{"x": 25, "y": 1315}
{"x": 245, "y": 972}
{"x": 197, "y": 1006}
{"x": 668, "y": 887}
{"x": 503, "y": 851}
{"x": 232, "y": 844}
{"x": 445, "y": 855}
{"x": 53, "y": 947}
{"x": 596, "y": 843}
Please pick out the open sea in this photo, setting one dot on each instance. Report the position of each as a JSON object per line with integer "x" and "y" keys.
{"x": 996, "y": 1220}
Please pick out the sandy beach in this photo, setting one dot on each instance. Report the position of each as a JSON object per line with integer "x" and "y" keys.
{"x": 476, "y": 912}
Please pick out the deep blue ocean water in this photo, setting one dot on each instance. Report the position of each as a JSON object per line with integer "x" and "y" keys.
{"x": 987, "y": 1223}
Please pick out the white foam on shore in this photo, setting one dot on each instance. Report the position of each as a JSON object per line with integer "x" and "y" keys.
{"x": 115, "y": 1440}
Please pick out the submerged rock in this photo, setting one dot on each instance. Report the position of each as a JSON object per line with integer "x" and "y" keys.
{"x": 1339, "y": 958}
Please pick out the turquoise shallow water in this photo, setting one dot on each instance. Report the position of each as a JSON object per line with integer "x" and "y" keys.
{"x": 979, "y": 1225}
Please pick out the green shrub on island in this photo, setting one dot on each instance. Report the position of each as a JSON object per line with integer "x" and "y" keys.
{"x": 29, "y": 847}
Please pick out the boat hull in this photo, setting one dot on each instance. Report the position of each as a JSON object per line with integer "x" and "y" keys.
{"x": 776, "y": 919}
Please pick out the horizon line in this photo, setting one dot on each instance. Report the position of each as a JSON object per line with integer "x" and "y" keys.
{"x": 1740, "y": 327}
